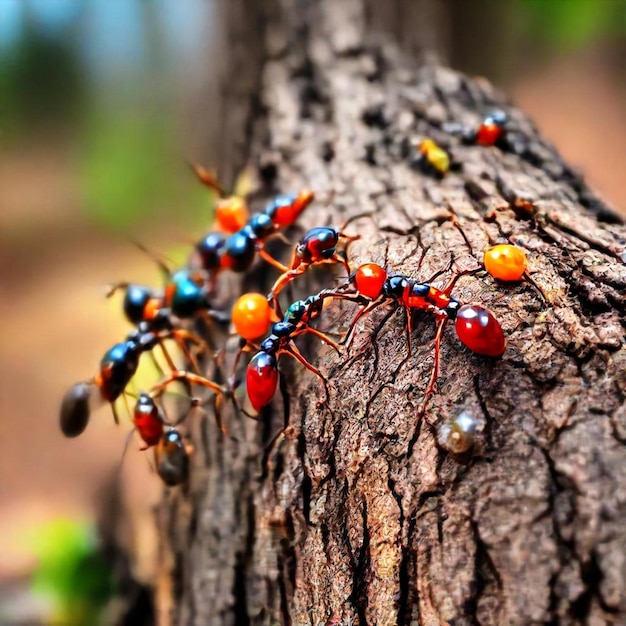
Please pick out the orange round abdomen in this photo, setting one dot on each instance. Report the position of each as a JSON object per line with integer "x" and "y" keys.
{"x": 505, "y": 262}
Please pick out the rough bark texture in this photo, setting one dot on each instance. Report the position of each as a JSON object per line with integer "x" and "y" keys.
{"x": 359, "y": 515}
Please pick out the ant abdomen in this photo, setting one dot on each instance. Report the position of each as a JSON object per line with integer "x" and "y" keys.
{"x": 76, "y": 409}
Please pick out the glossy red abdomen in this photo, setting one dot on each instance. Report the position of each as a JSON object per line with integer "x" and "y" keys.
{"x": 488, "y": 134}
{"x": 231, "y": 214}
{"x": 287, "y": 215}
{"x": 479, "y": 330}
{"x": 261, "y": 379}
{"x": 505, "y": 262}
{"x": 148, "y": 424}
{"x": 369, "y": 279}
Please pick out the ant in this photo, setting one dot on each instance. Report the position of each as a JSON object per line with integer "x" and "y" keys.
{"x": 171, "y": 457}
{"x": 117, "y": 367}
{"x": 490, "y": 132}
{"x": 237, "y": 252}
{"x": 318, "y": 246}
{"x": 262, "y": 371}
{"x": 185, "y": 295}
{"x": 475, "y": 326}
{"x": 434, "y": 159}
{"x": 171, "y": 454}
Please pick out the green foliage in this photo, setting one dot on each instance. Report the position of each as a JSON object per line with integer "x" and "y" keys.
{"x": 71, "y": 572}
{"x": 129, "y": 177}
{"x": 41, "y": 83}
{"x": 570, "y": 24}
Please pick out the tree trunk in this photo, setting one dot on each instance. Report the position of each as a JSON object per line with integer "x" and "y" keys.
{"x": 360, "y": 514}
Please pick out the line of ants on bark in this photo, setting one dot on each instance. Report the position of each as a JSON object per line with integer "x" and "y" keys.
{"x": 173, "y": 313}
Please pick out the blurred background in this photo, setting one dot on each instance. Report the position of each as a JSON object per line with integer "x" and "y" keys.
{"x": 101, "y": 103}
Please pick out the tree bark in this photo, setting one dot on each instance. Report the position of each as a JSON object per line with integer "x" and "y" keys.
{"x": 359, "y": 514}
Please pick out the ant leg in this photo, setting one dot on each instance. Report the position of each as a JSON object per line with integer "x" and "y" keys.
{"x": 441, "y": 324}
{"x": 166, "y": 355}
{"x": 247, "y": 347}
{"x": 195, "y": 379}
{"x": 181, "y": 336}
{"x": 125, "y": 450}
{"x": 336, "y": 258}
{"x": 189, "y": 377}
{"x": 116, "y": 417}
{"x": 284, "y": 434}
{"x": 409, "y": 330}
{"x": 320, "y": 335}
{"x": 112, "y": 289}
{"x": 285, "y": 278}
{"x": 363, "y": 311}
{"x": 217, "y": 407}
{"x": 156, "y": 364}
{"x": 207, "y": 178}
{"x": 268, "y": 258}
{"x": 130, "y": 413}
{"x": 281, "y": 237}
{"x": 165, "y": 270}
{"x": 293, "y": 351}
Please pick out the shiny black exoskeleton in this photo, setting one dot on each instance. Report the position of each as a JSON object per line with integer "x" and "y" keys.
{"x": 171, "y": 458}
{"x": 239, "y": 251}
{"x": 119, "y": 363}
{"x": 210, "y": 250}
{"x": 75, "y": 409}
{"x": 188, "y": 296}
{"x": 135, "y": 300}
{"x": 280, "y": 201}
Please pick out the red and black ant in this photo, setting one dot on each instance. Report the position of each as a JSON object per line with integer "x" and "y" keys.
{"x": 171, "y": 454}
{"x": 117, "y": 367}
{"x": 490, "y": 132}
{"x": 318, "y": 246}
{"x": 237, "y": 252}
{"x": 262, "y": 371}
{"x": 475, "y": 325}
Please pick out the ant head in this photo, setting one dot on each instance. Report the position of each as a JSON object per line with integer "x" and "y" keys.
{"x": 144, "y": 401}
{"x": 209, "y": 249}
{"x": 295, "y": 312}
{"x": 319, "y": 243}
{"x": 261, "y": 225}
{"x": 188, "y": 296}
{"x": 135, "y": 300}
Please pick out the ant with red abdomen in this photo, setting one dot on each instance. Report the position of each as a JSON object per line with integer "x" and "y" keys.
{"x": 117, "y": 367}
{"x": 238, "y": 251}
{"x": 318, "y": 246}
{"x": 171, "y": 454}
{"x": 475, "y": 325}
{"x": 262, "y": 371}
